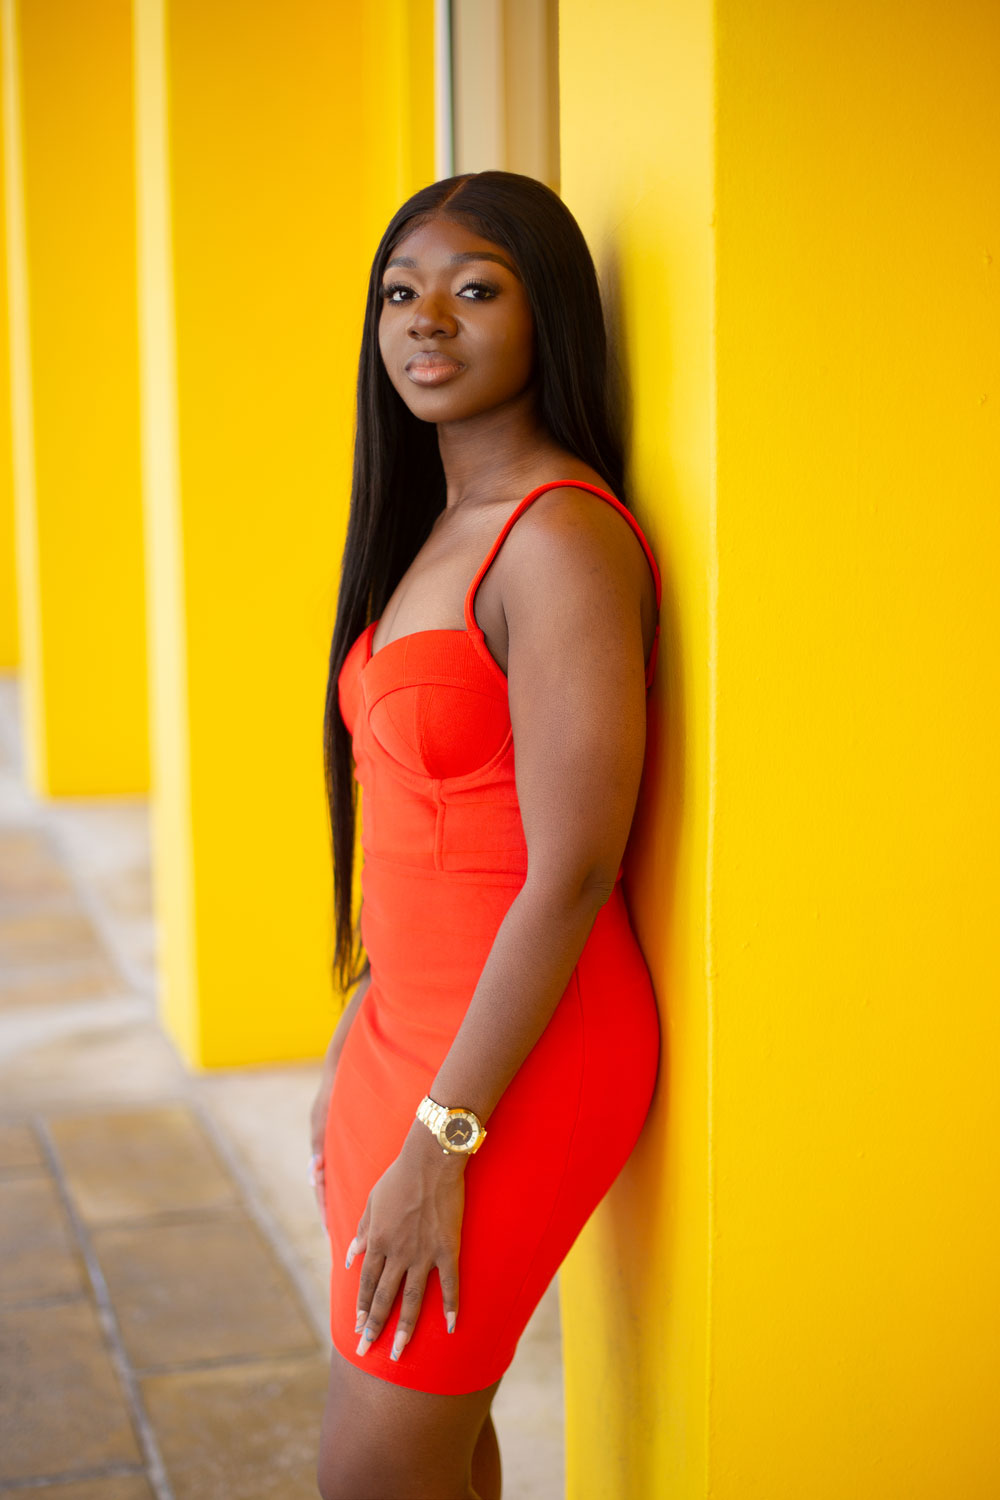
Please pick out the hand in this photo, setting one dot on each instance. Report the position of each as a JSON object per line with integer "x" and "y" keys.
{"x": 412, "y": 1223}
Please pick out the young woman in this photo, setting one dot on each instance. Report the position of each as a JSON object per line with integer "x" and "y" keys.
{"x": 495, "y": 639}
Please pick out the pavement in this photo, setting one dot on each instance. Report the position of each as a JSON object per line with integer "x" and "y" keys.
{"x": 163, "y": 1268}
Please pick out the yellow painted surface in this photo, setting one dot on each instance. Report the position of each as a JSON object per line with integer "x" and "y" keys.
{"x": 74, "y": 403}
{"x": 792, "y": 1290}
{"x": 9, "y": 634}
{"x": 261, "y": 201}
{"x": 636, "y": 171}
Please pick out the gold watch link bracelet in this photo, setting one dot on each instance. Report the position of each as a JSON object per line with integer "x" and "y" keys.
{"x": 458, "y": 1132}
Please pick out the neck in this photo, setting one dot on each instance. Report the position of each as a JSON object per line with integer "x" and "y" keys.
{"x": 499, "y": 450}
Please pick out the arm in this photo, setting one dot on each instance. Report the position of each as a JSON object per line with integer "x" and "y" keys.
{"x": 572, "y": 591}
{"x": 321, "y": 1103}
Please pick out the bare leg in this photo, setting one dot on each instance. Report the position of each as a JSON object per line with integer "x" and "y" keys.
{"x": 486, "y": 1479}
{"x": 381, "y": 1441}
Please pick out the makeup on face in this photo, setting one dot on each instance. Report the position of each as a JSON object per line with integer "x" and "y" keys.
{"x": 455, "y": 328}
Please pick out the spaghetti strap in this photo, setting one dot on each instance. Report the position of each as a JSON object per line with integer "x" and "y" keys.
{"x": 519, "y": 509}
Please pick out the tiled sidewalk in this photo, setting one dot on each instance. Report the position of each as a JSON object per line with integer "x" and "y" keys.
{"x": 150, "y": 1343}
{"x": 163, "y": 1269}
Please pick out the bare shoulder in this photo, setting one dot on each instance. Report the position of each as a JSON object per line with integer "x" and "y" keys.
{"x": 574, "y": 541}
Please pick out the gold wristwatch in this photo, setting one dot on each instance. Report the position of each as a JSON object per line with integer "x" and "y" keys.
{"x": 457, "y": 1131}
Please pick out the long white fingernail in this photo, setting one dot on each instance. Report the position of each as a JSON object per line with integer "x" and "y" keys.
{"x": 398, "y": 1345}
{"x": 365, "y": 1342}
{"x": 451, "y": 1318}
{"x": 351, "y": 1253}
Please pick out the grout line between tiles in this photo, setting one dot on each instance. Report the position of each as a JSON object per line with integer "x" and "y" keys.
{"x": 137, "y": 980}
{"x": 265, "y": 1220}
{"x": 72, "y": 1476}
{"x": 155, "y": 1468}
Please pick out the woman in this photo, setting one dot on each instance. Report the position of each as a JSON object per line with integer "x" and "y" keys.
{"x": 495, "y": 639}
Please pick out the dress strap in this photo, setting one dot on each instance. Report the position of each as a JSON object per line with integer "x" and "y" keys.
{"x": 521, "y": 507}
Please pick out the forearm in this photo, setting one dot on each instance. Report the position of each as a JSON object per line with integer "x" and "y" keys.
{"x": 528, "y": 968}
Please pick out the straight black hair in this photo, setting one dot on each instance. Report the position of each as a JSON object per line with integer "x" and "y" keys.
{"x": 398, "y": 485}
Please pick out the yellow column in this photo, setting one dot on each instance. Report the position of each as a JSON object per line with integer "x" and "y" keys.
{"x": 791, "y": 1291}
{"x": 636, "y": 132}
{"x": 9, "y": 637}
{"x": 70, "y": 221}
{"x": 268, "y": 165}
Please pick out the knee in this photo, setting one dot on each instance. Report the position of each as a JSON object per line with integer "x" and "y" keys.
{"x": 343, "y": 1479}
{"x": 333, "y": 1482}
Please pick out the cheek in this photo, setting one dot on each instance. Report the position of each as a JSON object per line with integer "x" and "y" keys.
{"x": 385, "y": 349}
{"x": 523, "y": 337}
{"x": 520, "y": 351}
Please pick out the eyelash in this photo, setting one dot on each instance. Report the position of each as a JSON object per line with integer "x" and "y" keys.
{"x": 386, "y": 292}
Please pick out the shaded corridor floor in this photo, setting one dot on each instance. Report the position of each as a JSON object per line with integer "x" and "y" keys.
{"x": 150, "y": 1340}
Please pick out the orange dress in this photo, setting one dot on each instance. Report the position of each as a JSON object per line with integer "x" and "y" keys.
{"x": 444, "y": 855}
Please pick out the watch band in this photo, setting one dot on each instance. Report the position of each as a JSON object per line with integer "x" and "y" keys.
{"x": 437, "y": 1117}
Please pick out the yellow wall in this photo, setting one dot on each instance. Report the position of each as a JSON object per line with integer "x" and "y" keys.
{"x": 74, "y": 401}
{"x": 634, "y": 1291}
{"x": 261, "y": 202}
{"x": 791, "y": 1291}
{"x": 9, "y": 637}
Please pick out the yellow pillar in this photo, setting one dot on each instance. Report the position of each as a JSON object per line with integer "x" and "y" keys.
{"x": 791, "y": 1291}
{"x": 9, "y": 638}
{"x": 268, "y": 163}
{"x": 70, "y": 222}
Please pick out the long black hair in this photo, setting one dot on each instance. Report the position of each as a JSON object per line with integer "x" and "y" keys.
{"x": 398, "y": 485}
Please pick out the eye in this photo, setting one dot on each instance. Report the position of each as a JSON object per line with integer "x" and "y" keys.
{"x": 388, "y": 293}
{"x": 485, "y": 290}
{"x": 397, "y": 292}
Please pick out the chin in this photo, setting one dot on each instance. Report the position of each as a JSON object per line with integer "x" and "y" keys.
{"x": 441, "y": 406}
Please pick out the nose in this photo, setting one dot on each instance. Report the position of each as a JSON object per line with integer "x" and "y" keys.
{"x": 430, "y": 319}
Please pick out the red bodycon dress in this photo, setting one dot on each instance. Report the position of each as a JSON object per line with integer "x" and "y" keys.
{"x": 444, "y": 855}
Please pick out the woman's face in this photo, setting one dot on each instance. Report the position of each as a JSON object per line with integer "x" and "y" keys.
{"x": 455, "y": 331}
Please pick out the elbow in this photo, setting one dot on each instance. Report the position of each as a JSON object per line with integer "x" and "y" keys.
{"x": 583, "y": 892}
{"x": 598, "y": 887}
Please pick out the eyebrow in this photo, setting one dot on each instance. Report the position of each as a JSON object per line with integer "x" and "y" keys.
{"x": 409, "y": 264}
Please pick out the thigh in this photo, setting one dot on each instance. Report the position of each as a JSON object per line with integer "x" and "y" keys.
{"x": 381, "y": 1441}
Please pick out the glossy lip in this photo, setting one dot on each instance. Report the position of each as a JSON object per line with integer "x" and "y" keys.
{"x": 432, "y": 367}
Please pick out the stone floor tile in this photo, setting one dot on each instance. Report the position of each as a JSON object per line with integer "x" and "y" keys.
{"x": 58, "y": 984}
{"x": 38, "y": 1254}
{"x": 30, "y": 868}
{"x": 125, "y": 894}
{"x": 19, "y": 1146}
{"x": 108, "y": 1487}
{"x": 242, "y": 1432}
{"x": 205, "y": 1288}
{"x": 42, "y": 935}
{"x": 107, "y": 1054}
{"x": 61, "y": 1406}
{"x": 132, "y": 1163}
{"x": 264, "y": 1114}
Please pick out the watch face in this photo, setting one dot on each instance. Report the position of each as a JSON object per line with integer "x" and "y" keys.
{"x": 458, "y": 1131}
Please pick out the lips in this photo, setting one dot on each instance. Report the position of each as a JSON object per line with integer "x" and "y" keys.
{"x": 432, "y": 367}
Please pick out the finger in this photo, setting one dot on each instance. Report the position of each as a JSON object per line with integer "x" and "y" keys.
{"x": 381, "y": 1302}
{"x": 412, "y": 1301}
{"x": 320, "y": 1189}
{"x": 360, "y": 1241}
{"x": 371, "y": 1270}
{"x": 448, "y": 1272}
